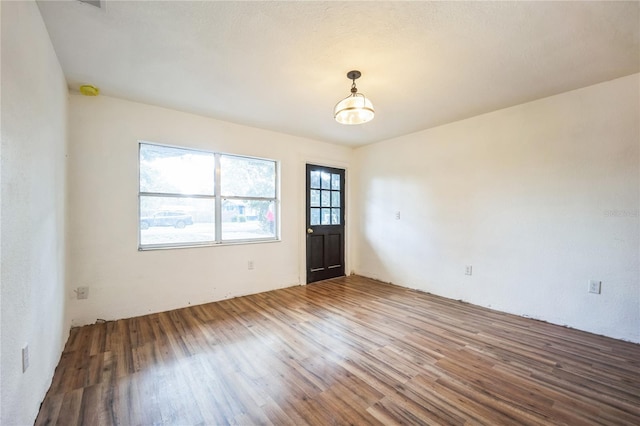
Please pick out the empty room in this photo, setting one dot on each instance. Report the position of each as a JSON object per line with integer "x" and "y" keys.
{"x": 324, "y": 212}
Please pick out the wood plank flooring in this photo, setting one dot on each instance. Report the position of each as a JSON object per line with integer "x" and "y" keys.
{"x": 344, "y": 351}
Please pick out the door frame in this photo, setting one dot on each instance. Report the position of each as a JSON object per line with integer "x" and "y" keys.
{"x": 302, "y": 214}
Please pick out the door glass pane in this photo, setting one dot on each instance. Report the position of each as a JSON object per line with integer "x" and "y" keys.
{"x": 315, "y": 179}
{"x": 314, "y": 198}
{"x": 326, "y": 198}
{"x": 326, "y": 180}
{"x": 335, "y": 198}
{"x": 335, "y": 182}
{"x": 315, "y": 217}
{"x": 335, "y": 216}
{"x": 326, "y": 217}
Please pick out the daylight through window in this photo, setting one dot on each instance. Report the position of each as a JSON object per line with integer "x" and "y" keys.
{"x": 189, "y": 197}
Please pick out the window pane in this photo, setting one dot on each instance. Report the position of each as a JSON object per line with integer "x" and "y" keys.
{"x": 315, "y": 179}
{"x": 170, "y": 220}
{"x": 326, "y": 198}
{"x": 315, "y": 217}
{"x": 326, "y": 180}
{"x": 175, "y": 170}
{"x": 248, "y": 219}
{"x": 247, "y": 177}
{"x": 335, "y": 182}
{"x": 335, "y": 216}
{"x": 326, "y": 217}
{"x": 335, "y": 199}
{"x": 315, "y": 197}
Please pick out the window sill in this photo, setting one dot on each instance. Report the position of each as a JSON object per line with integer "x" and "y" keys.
{"x": 209, "y": 244}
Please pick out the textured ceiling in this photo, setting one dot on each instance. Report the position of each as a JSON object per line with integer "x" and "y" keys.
{"x": 282, "y": 65}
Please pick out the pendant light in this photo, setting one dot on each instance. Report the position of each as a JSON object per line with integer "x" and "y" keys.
{"x": 355, "y": 108}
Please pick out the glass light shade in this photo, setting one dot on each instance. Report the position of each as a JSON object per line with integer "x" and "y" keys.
{"x": 354, "y": 109}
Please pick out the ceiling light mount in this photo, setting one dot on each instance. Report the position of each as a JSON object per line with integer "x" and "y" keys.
{"x": 355, "y": 108}
{"x": 354, "y": 75}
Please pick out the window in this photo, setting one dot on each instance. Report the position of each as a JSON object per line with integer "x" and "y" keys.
{"x": 189, "y": 197}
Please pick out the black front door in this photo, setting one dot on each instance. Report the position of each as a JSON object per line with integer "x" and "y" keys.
{"x": 325, "y": 223}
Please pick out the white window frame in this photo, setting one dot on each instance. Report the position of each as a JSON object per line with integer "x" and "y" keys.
{"x": 218, "y": 199}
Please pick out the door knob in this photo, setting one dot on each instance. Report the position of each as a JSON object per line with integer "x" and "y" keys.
{"x": 309, "y": 231}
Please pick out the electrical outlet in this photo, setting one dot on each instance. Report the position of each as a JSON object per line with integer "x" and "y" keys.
{"x": 398, "y": 215}
{"x": 25, "y": 358}
{"x": 82, "y": 293}
{"x": 594, "y": 286}
{"x": 468, "y": 270}
{"x": 250, "y": 265}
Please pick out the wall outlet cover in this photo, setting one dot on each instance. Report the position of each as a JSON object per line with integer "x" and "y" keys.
{"x": 82, "y": 293}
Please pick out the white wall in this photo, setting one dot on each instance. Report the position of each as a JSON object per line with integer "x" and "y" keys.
{"x": 34, "y": 110}
{"x": 538, "y": 198}
{"x": 103, "y": 225}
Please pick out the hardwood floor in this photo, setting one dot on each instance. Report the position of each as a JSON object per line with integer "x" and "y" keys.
{"x": 343, "y": 351}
